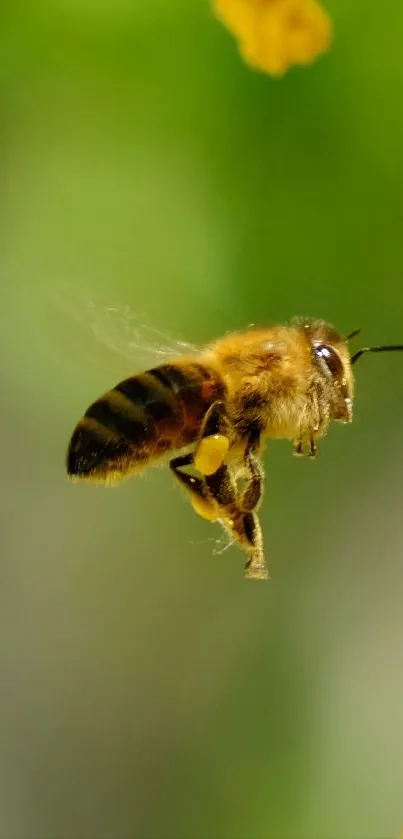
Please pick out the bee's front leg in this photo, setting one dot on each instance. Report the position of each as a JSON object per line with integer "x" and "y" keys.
{"x": 305, "y": 447}
{"x": 314, "y": 426}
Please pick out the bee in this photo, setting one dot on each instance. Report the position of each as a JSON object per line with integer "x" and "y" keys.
{"x": 211, "y": 413}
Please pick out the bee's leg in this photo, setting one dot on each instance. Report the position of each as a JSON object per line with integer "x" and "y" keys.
{"x": 305, "y": 446}
{"x": 251, "y": 495}
{"x": 244, "y": 527}
{"x": 199, "y": 495}
{"x": 299, "y": 447}
{"x": 246, "y": 530}
{"x": 213, "y": 443}
{"x": 255, "y": 568}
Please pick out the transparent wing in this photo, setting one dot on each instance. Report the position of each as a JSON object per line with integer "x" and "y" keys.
{"x": 111, "y": 334}
{"x": 127, "y": 333}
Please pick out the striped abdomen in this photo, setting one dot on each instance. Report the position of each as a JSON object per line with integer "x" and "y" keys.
{"x": 141, "y": 419}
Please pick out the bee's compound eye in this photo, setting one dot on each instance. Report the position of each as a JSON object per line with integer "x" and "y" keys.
{"x": 328, "y": 356}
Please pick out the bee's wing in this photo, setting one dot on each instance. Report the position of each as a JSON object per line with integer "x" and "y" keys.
{"x": 128, "y": 334}
{"x": 114, "y": 336}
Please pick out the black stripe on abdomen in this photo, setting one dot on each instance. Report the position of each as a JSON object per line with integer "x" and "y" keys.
{"x": 171, "y": 377}
{"x": 113, "y": 418}
{"x": 153, "y": 394}
{"x": 134, "y": 390}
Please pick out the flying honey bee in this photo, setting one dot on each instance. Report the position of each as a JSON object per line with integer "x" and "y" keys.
{"x": 212, "y": 412}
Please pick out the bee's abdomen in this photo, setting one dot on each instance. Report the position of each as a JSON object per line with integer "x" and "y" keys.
{"x": 140, "y": 419}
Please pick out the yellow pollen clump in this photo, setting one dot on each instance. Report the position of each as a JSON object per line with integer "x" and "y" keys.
{"x": 210, "y": 453}
{"x": 204, "y": 508}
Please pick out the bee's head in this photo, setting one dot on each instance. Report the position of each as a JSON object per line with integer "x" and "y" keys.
{"x": 331, "y": 358}
{"x": 333, "y": 361}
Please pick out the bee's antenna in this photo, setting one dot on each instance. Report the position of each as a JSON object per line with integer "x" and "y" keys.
{"x": 390, "y": 348}
{"x": 352, "y": 334}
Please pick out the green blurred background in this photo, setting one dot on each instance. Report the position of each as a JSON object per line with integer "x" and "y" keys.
{"x": 146, "y": 689}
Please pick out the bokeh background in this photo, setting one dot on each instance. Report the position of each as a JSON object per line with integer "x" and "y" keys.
{"x": 148, "y": 176}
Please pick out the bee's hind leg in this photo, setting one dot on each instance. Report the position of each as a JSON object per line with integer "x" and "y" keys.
{"x": 199, "y": 496}
{"x": 215, "y": 497}
{"x": 213, "y": 442}
{"x": 243, "y": 526}
{"x": 246, "y": 530}
{"x": 235, "y": 510}
{"x": 252, "y": 493}
{"x": 255, "y": 568}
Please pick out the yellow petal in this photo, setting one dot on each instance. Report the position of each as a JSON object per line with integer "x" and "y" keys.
{"x": 308, "y": 30}
{"x": 265, "y": 48}
{"x": 238, "y": 15}
{"x": 274, "y": 34}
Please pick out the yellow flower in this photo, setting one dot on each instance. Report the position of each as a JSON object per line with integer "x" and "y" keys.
{"x": 274, "y": 34}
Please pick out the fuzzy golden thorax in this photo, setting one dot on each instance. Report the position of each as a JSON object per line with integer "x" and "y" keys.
{"x": 289, "y": 380}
